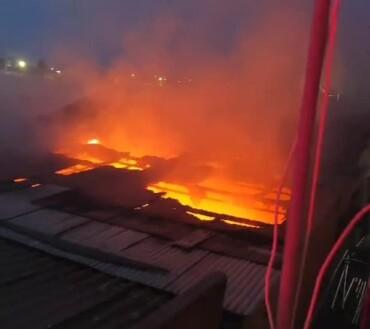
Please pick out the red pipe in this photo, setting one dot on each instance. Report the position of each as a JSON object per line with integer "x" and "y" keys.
{"x": 297, "y": 220}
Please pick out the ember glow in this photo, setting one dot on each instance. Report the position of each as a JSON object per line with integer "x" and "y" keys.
{"x": 93, "y": 141}
{"x": 19, "y": 180}
{"x": 221, "y": 202}
{"x": 142, "y": 206}
{"x": 75, "y": 169}
{"x": 201, "y": 216}
{"x": 232, "y": 222}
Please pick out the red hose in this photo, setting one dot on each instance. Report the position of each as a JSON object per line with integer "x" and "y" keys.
{"x": 275, "y": 239}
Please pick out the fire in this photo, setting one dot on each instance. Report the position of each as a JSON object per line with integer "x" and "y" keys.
{"x": 74, "y": 169}
{"x": 201, "y": 216}
{"x": 222, "y": 203}
{"x": 231, "y": 222}
{"x": 135, "y": 168}
{"x": 118, "y": 165}
{"x": 229, "y": 200}
{"x": 19, "y": 180}
{"x": 93, "y": 141}
{"x": 87, "y": 157}
{"x": 127, "y": 163}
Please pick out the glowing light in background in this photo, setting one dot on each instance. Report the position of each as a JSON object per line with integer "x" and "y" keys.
{"x": 22, "y": 64}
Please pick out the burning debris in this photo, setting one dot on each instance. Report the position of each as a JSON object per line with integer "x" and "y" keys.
{"x": 232, "y": 202}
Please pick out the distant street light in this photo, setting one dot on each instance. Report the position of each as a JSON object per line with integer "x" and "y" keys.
{"x": 22, "y": 64}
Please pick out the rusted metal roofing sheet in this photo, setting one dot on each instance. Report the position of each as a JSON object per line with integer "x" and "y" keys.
{"x": 245, "y": 281}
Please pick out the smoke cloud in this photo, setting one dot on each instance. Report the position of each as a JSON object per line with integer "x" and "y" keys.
{"x": 229, "y": 104}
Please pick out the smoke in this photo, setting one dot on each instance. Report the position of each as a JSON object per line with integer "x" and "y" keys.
{"x": 183, "y": 88}
{"x": 22, "y": 99}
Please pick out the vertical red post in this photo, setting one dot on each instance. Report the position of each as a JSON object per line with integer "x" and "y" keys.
{"x": 297, "y": 221}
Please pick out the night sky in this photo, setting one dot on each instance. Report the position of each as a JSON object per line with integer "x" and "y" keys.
{"x": 96, "y": 29}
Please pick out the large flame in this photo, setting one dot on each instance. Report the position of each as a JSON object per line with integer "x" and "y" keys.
{"x": 221, "y": 197}
{"x": 93, "y": 141}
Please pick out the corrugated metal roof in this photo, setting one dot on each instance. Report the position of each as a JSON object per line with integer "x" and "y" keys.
{"x": 162, "y": 253}
{"x": 49, "y": 221}
{"x": 104, "y": 236}
{"x": 11, "y": 206}
{"x": 245, "y": 278}
{"x": 19, "y": 202}
{"x": 245, "y": 281}
{"x": 42, "y": 291}
{"x": 41, "y": 191}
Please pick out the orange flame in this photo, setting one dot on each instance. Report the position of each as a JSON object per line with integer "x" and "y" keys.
{"x": 219, "y": 196}
{"x": 93, "y": 141}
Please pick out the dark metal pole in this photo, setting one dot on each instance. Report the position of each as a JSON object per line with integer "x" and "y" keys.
{"x": 297, "y": 220}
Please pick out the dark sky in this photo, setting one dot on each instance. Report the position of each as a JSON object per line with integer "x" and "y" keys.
{"x": 96, "y": 27}
{"x": 37, "y": 27}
